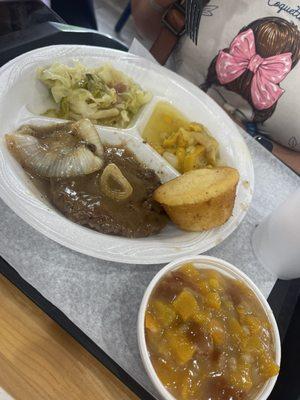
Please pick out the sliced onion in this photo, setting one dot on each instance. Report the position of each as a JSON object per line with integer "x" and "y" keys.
{"x": 26, "y": 130}
{"x": 171, "y": 158}
{"x": 87, "y": 131}
{"x": 58, "y": 162}
{"x": 112, "y": 172}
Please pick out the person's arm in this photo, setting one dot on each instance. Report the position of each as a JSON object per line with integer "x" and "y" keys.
{"x": 289, "y": 157}
{"x": 147, "y": 15}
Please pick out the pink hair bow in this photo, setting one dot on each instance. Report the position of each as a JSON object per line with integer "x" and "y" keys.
{"x": 268, "y": 72}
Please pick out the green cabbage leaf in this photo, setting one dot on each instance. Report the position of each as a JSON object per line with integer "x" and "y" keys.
{"x": 104, "y": 95}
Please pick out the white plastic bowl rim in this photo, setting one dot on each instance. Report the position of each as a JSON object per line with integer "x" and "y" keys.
{"x": 228, "y": 269}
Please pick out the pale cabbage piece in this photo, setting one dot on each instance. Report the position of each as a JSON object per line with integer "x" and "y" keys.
{"x": 104, "y": 95}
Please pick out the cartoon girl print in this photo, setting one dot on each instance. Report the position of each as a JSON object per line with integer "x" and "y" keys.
{"x": 257, "y": 61}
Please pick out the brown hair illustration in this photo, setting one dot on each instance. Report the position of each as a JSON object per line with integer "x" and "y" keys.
{"x": 273, "y": 36}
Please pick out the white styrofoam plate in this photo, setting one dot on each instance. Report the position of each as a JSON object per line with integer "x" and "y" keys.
{"x": 23, "y": 98}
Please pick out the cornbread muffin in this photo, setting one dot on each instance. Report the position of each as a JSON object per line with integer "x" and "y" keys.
{"x": 200, "y": 199}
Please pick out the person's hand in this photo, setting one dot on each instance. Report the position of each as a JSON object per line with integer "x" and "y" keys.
{"x": 147, "y": 16}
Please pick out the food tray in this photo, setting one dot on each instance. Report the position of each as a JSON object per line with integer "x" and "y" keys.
{"x": 100, "y": 299}
{"x": 97, "y": 301}
{"x": 23, "y": 98}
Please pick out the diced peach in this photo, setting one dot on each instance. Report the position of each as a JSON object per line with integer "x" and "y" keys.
{"x": 213, "y": 274}
{"x": 163, "y": 347}
{"x": 253, "y": 323}
{"x": 218, "y": 332}
{"x": 213, "y": 300}
{"x": 186, "y": 305}
{"x": 228, "y": 305}
{"x": 252, "y": 345}
{"x": 235, "y": 327}
{"x": 190, "y": 271}
{"x": 151, "y": 323}
{"x": 201, "y": 317}
{"x": 164, "y": 313}
{"x": 214, "y": 283}
{"x": 181, "y": 347}
{"x": 244, "y": 290}
{"x": 267, "y": 367}
{"x": 204, "y": 287}
{"x": 241, "y": 310}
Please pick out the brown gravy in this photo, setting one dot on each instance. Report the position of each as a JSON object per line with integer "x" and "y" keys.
{"x": 81, "y": 200}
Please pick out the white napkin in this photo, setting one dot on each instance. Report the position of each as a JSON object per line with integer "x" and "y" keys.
{"x": 276, "y": 239}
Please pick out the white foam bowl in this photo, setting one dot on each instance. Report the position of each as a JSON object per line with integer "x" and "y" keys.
{"x": 225, "y": 268}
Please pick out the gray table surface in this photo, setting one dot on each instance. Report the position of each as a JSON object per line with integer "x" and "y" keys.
{"x": 102, "y": 298}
